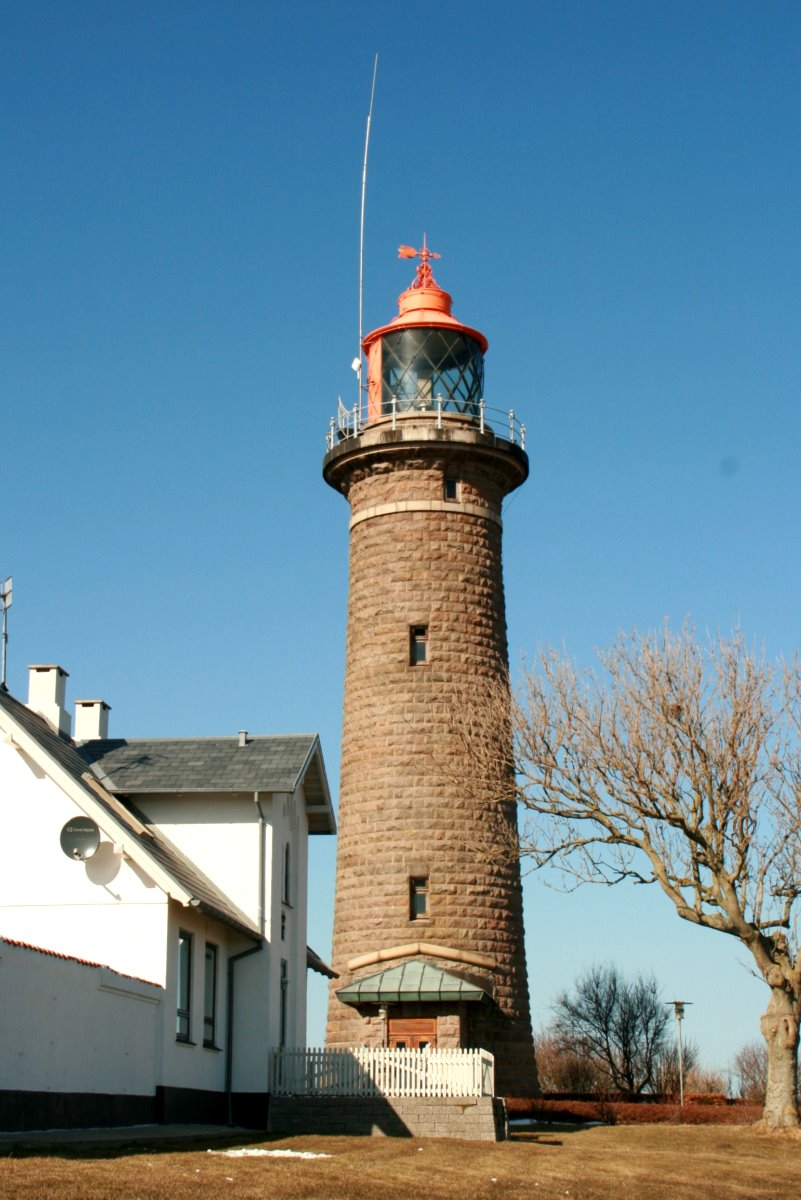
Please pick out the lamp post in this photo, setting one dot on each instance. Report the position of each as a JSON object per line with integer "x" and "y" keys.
{"x": 678, "y": 1009}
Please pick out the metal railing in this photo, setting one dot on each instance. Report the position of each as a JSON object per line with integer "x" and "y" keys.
{"x": 381, "y": 1071}
{"x": 349, "y": 423}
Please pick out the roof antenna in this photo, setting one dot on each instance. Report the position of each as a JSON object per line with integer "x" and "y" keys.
{"x": 357, "y": 362}
{"x": 5, "y": 600}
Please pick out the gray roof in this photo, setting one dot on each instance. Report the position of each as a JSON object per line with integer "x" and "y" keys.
{"x": 143, "y": 766}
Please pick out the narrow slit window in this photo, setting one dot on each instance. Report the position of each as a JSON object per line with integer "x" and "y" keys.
{"x": 284, "y": 1003}
{"x": 210, "y": 996}
{"x": 418, "y": 645}
{"x": 451, "y": 488}
{"x": 184, "y": 991}
{"x": 418, "y": 897}
{"x": 287, "y": 881}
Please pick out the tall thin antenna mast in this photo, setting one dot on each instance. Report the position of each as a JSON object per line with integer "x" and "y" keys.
{"x": 5, "y": 600}
{"x": 357, "y": 362}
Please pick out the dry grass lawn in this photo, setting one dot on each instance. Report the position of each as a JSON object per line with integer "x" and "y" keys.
{"x": 603, "y": 1163}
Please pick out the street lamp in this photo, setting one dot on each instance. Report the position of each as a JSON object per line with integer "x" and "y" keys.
{"x": 678, "y": 1008}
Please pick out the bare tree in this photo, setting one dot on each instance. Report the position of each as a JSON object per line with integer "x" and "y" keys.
{"x": 620, "y": 1026}
{"x": 666, "y": 1077}
{"x": 750, "y": 1069}
{"x": 678, "y": 765}
{"x": 561, "y": 1067}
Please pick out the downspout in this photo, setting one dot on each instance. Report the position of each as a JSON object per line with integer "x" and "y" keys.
{"x": 229, "y": 1024}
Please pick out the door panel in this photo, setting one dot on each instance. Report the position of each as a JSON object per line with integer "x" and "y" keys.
{"x": 413, "y": 1033}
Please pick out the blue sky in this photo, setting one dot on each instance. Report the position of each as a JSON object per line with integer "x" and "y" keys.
{"x": 614, "y": 191}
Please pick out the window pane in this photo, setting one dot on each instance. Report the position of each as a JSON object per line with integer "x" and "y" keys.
{"x": 210, "y": 995}
{"x": 184, "y": 989}
{"x": 418, "y": 644}
{"x": 284, "y": 1013}
{"x": 287, "y": 873}
{"x": 419, "y": 365}
{"x": 418, "y": 897}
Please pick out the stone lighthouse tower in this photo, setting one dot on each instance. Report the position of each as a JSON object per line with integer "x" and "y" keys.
{"x": 428, "y": 922}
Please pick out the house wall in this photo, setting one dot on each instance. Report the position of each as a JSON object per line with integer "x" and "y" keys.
{"x": 192, "y": 1064}
{"x": 71, "y": 1027}
{"x": 81, "y": 1037}
{"x": 220, "y": 832}
{"x": 104, "y": 909}
{"x": 290, "y": 828}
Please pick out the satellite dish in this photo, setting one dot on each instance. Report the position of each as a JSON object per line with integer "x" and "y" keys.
{"x": 80, "y": 838}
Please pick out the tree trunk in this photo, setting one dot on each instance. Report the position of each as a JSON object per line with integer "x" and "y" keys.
{"x": 780, "y": 1029}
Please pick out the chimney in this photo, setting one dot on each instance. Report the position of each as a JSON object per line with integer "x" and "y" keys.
{"x": 91, "y": 720}
{"x": 47, "y": 686}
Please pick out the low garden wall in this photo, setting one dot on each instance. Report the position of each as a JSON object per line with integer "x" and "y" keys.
{"x": 476, "y": 1118}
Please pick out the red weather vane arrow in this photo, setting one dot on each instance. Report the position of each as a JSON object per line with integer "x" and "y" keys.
{"x": 424, "y": 276}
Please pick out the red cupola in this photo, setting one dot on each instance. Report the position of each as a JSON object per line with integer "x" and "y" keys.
{"x": 424, "y": 358}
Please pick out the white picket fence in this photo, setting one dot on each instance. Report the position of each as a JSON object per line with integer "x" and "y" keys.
{"x": 363, "y": 1071}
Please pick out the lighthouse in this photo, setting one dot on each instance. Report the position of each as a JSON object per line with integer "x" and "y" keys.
{"x": 428, "y": 919}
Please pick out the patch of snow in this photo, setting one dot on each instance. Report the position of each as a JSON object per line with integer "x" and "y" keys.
{"x": 257, "y": 1153}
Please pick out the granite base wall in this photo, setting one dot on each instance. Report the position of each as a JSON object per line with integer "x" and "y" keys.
{"x": 473, "y": 1118}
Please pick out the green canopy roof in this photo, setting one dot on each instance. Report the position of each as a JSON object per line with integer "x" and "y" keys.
{"x": 411, "y": 981}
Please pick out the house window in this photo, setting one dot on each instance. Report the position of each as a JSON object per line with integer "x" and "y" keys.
{"x": 418, "y": 897}
{"x": 287, "y": 878}
{"x": 210, "y": 996}
{"x": 184, "y": 992}
{"x": 284, "y": 1002}
{"x": 418, "y": 645}
{"x": 451, "y": 488}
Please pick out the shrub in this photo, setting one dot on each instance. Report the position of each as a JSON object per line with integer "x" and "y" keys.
{"x": 565, "y": 1111}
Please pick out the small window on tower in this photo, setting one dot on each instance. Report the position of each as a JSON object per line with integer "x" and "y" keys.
{"x": 451, "y": 488}
{"x": 418, "y": 897}
{"x": 418, "y": 645}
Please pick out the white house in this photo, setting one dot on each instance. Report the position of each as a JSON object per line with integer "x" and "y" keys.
{"x": 152, "y": 915}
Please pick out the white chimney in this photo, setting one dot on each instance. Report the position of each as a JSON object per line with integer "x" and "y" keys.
{"x": 47, "y": 687}
{"x": 91, "y": 720}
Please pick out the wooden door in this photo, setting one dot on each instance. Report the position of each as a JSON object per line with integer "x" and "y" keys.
{"x": 413, "y": 1033}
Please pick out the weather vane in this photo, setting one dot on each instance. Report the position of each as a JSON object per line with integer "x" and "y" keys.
{"x": 424, "y": 277}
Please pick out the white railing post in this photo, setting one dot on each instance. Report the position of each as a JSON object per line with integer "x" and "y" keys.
{"x": 439, "y": 411}
{"x": 394, "y": 406}
{"x": 522, "y": 437}
{"x": 481, "y": 407}
{"x": 511, "y": 424}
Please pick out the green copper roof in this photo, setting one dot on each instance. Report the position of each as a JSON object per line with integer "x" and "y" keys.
{"x": 412, "y": 981}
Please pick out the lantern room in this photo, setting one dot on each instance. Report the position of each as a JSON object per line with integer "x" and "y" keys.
{"x": 424, "y": 359}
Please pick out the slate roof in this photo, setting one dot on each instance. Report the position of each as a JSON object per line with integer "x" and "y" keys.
{"x": 266, "y": 764}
